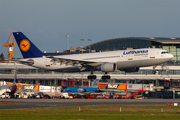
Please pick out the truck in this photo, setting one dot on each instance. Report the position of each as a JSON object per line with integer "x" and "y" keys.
{"x": 61, "y": 95}
{"x": 50, "y": 89}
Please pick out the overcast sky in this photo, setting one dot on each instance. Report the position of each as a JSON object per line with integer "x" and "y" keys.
{"x": 47, "y": 22}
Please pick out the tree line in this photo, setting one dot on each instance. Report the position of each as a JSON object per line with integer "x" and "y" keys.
{"x": 2, "y": 57}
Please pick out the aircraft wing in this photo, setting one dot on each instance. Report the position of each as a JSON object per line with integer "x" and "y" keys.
{"x": 74, "y": 62}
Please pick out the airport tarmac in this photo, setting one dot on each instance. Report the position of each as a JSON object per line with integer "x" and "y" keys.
{"x": 41, "y": 103}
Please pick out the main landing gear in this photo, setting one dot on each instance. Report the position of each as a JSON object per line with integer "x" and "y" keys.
{"x": 92, "y": 76}
{"x": 105, "y": 76}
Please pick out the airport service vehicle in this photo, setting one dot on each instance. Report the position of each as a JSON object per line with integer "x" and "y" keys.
{"x": 66, "y": 95}
{"x": 20, "y": 95}
{"x": 116, "y": 96}
{"x": 107, "y": 96}
{"x": 43, "y": 88}
{"x": 5, "y": 95}
{"x": 2, "y": 91}
{"x": 28, "y": 92}
{"x": 63, "y": 95}
{"x": 10, "y": 89}
{"x": 124, "y": 60}
{"x": 40, "y": 94}
{"x": 24, "y": 95}
{"x": 95, "y": 96}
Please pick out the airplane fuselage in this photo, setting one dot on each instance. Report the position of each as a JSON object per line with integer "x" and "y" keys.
{"x": 122, "y": 58}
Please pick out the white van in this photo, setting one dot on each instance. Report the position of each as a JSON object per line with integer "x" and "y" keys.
{"x": 66, "y": 95}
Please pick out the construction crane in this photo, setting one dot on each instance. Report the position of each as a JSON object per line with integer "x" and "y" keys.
{"x": 10, "y": 45}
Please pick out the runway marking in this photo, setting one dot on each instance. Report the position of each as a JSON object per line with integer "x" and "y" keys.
{"x": 49, "y": 105}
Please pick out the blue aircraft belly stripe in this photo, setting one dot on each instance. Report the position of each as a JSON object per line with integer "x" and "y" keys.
{"x": 88, "y": 89}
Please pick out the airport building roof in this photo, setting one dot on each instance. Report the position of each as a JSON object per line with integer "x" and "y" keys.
{"x": 172, "y": 45}
{"x": 132, "y": 42}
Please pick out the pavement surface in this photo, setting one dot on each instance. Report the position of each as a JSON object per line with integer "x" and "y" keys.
{"x": 41, "y": 103}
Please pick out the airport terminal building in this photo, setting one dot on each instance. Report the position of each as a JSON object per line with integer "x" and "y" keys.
{"x": 166, "y": 80}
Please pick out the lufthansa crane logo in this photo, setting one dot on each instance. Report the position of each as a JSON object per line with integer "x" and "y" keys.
{"x": 24, "y": 45}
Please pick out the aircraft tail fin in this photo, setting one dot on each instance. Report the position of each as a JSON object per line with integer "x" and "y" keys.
{"x": 27, "y": 48}
{"x": 95, "y": 83}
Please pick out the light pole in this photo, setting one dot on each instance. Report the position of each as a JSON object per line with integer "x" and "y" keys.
{"x": 82, "y": 42}
{"x": 89, "y": 42}
{"x": 67, "y": 42}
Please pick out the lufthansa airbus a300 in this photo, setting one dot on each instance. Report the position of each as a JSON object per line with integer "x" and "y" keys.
{"x": 124, "y": 60}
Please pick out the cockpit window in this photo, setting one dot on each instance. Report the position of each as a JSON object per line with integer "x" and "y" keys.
{"x": 164, "y": 52}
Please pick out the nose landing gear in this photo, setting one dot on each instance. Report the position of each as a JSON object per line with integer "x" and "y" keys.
{"x": 154, "y": 71}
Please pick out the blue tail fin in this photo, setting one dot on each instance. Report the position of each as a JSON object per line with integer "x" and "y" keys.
{"x": 27, "y": 48}
{"x": 95, "y": 83}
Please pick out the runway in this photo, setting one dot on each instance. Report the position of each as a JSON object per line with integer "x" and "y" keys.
{"x": 41, "y": 103}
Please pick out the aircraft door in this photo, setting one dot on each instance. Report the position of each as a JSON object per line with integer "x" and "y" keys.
{"x": 152, "y": 54}
{"x": 130, "y": 57}
{"x": 47, "y": 63}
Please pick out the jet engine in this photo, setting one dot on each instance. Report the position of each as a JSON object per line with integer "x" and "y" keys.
{"x": 107, "y": 67}
{"x": 134, "y": 69}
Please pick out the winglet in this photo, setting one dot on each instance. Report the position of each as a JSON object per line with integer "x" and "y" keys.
{"x": 27, "y": 48}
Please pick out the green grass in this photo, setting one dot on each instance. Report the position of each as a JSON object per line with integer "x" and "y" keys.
{"x": 104, "y": 112}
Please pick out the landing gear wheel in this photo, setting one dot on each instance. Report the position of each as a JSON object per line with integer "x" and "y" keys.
{"x": 103, "y": 77}
{"x": 106, "y": 77}
{"x": 154, "y": 72}
{"x": 92, "y": 77}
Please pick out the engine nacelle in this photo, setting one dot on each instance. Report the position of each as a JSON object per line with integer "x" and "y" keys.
{"x": 134, "y": 69}
{"x": 107, "y": 67}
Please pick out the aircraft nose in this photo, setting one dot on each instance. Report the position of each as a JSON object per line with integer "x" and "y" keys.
{"x": 171, "y": 56}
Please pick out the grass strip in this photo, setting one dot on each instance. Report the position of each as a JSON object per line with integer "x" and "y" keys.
{"x": 105, "y": 112}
